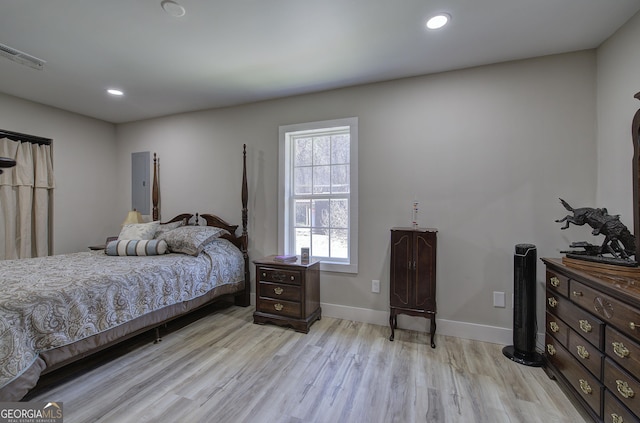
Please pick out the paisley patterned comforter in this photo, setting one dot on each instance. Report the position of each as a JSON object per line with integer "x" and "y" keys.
{"x": 53, "y": 301}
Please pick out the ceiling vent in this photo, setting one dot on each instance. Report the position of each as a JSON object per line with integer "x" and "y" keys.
{"x": 21, "y": 57}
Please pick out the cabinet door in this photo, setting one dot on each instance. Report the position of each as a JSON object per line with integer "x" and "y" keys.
{"x": 401, "y": 268}
{"x": 425, "y": 271}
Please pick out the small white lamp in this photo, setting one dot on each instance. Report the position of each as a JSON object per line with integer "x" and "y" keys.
{"x": 133, "y": 216}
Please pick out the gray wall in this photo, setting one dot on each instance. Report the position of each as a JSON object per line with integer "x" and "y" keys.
{"x": 84, "y": 163}
{"x": 487, "y": 151}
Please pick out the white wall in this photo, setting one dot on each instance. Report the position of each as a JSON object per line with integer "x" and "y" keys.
{"x": 487, "y": 151}
{"x": 83, "y": 161}
{"x": 618, "y": 62}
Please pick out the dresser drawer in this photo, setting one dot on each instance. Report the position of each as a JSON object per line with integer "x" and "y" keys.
{"x": 614, "y": 412}
{"x": 619, "y": 314}
{"x": 558, "y": 283}
{"x": 557, "y": 328}
{"x": 623, "y": 350}
{"x": 588, "y": 326}
{"x": 268, "y": 274}
{"x": 624, "y": 386}
{"x": 586, "y": 354}
{"x": 280, "y": 307}
{"x": 280, "y": 291}
{"x": 577, "y": 376}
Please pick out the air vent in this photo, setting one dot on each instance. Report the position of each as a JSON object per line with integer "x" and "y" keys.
{"x": 21, "y": 57}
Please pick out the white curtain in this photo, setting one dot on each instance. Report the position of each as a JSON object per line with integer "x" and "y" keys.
{"x": 26, "y": 192}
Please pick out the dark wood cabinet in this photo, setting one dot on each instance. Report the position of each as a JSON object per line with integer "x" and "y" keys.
{"x": 287, "y": 294}
{"x": 413, "y": 276}
{"x": 592, "y": 340}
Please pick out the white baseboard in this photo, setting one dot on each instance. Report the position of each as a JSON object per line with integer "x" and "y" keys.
{"x": 465, "y": 330}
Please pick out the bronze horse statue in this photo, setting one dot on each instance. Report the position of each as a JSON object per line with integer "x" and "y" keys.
{"x": 618, "y": 240}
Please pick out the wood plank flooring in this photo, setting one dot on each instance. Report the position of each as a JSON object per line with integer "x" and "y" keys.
{"x": 223, "y": 368}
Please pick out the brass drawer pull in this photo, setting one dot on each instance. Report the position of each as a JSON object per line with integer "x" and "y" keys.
{"x": 632, "y": 326}
{"x": 552, "y": 302}
{"x": 293, "y": 278}
{"x": 584, "y": 387}
{"x": 277, "y": 290}
{"x": 620, "y": 350}
{"x": 582, "y": 352}
{"x": 585, "y": 326}
{"x": 554, "y": 281}
{"x": 577, "y": 294}
{"x": 551, "y": 349}
{"x": 624, "y": 389}
{"x": 554, "y": 327}
{"x": 615, "y": 418}
{"x": 278, "y": 306}
{"x": 264, "y": 275}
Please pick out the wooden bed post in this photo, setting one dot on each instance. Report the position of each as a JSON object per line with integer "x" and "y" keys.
{"x": 244, "y": 299}
{"x": 155, "y": 191}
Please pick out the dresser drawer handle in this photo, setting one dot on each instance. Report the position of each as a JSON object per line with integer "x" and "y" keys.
{"x": 577, "y": 294}
{"x": 615, "y": 418}
{"x": 582, "y": 352}
{"x": 585, "y": 326}
{"x": 555, "y": 281}
{"x": 620, "y": 350}
{"x": 551, "y": 349}
{"x": 293, "y": 278}
{"x": 584, "y": 387}
{"x": 624, "y": 389}
{"x": 277, "y": 290}
{"x": 264, "y": 275}
{"x": 278, "y": 306}
{"x": 554, "y": 327}
{"x": 552, "y": 302}
{"x": 632, "y": 326}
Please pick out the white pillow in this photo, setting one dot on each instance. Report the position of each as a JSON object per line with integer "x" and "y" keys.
{"x": 139, "y": 230}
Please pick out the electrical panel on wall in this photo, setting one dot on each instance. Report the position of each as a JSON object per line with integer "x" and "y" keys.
{"x": 140, "y": 186}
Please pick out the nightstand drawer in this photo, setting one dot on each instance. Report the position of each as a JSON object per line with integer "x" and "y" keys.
{"x": 280, "y": 307}
{"x": 279, "y": 291}
{"x": 267, "y": 274}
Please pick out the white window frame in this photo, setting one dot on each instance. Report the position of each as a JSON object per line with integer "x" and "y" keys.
{"x": 285, "y": 225}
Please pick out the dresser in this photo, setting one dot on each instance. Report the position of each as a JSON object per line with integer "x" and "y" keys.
{"x": 412, "y": 287}
{"x": 287, "y": 294}
{"x": 592, "y": 340}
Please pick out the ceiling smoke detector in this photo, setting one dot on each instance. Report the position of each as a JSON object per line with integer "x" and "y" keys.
{"x": 173, "y": 8}
{"x": 21, "y": 57}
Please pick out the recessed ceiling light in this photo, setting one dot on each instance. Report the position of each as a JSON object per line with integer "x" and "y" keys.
{"x": 115, "y": 92}
{"x": 173, "y": 8}
{"x": 438, "y": 21}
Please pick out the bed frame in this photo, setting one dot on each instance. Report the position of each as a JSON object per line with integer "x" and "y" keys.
{"x": 51, "y": 360}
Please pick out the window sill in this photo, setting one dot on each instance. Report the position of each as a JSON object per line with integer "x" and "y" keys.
{"x": 328, "y": 266}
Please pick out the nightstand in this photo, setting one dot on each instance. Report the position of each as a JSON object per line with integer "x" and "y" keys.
{"x": 287, "y": 294}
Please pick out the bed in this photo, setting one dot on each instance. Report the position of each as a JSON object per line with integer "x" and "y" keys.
{"x": 59, "y": 309}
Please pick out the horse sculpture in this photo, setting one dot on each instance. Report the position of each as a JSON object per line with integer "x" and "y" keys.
{"x": 618, "y": 241}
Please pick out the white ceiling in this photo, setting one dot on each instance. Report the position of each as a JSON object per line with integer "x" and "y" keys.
{"x": 229, "y": 52}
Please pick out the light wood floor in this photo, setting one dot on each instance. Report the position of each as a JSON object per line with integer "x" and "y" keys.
{"x": 223, "y": 368}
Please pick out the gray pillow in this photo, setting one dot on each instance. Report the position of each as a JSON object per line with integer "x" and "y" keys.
{"x": 191, "y": 239}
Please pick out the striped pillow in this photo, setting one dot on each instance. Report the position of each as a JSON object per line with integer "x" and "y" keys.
{"x": 136, "y": 247}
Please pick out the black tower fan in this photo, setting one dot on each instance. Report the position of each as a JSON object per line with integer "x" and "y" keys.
{"x": 523, "y": 350}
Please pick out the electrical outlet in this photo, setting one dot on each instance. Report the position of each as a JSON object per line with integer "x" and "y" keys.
{"x": 498, "y": 299}
{"x": 375, "y": 286}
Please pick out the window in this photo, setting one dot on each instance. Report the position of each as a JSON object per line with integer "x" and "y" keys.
{"x": 318, "y": 206}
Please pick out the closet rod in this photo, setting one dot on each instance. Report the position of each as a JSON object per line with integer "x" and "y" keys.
{"x": 16, "y": 136}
